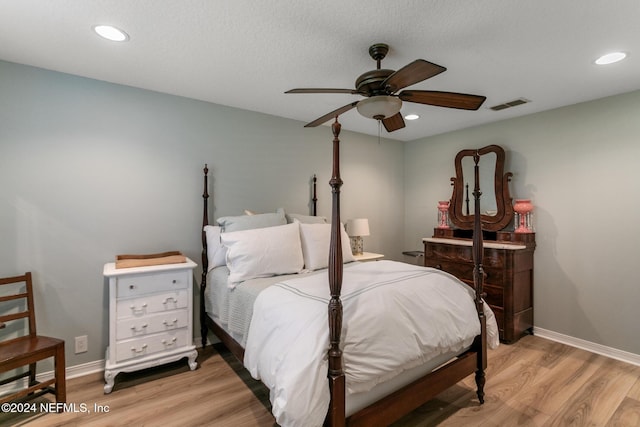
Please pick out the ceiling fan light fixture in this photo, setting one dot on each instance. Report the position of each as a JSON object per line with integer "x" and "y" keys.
{"x": 611, "y": 58}
{"x": 379, "y": 107}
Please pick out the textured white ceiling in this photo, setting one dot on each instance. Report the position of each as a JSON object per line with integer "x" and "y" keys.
{"x": 246, "y": 54}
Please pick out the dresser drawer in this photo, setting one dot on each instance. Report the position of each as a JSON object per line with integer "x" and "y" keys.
{"x": 464, "y": 271}
{"x": 154, "y": 303}
{"x": 161, "y": 322}
{"x": 458, "y": 253}
{"x": 141, "y": 284}
{"x": 144, "y": 346}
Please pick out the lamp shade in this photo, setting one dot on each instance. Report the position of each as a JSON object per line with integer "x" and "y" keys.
{"x": 358, "y": 227}
{"x": 379, "y": 107}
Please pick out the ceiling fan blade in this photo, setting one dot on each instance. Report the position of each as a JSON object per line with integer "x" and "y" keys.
{"x": 331, "y": 115}
{"x": 462, "y": 101}
{"x": 394, "y": 122}
{"x": 320, "y": 90}
{"x": 412, "y": 73}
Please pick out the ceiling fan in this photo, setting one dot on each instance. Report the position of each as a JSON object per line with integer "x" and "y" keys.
{"x": 379, "y": 86}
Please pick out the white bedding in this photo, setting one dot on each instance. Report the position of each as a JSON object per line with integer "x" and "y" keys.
{"x": 232, "y": 307}
{"x": 394, "y": 320}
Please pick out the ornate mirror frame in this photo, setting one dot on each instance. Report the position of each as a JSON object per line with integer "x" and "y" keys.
{"x": 504, "y": 206}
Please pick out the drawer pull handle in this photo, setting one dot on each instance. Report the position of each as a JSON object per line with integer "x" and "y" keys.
{"x": 132, "y": 287}
{"x": 170, "y": 323}
{"x": 172, "y": 342}
{"x": 170, "y": 299}
{"x": 174, "y": 281}
{"x": 143, "y": 327}
{"x": 142, "y": 349}
{"x": 138, "y": 310}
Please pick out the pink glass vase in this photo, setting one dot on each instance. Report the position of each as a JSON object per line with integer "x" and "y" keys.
{"x": 443, "y": 214}
{"x": 523, "y": 207}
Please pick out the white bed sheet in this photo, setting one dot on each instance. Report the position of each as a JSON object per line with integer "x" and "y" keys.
{"x": 233, "y": 310}
{"x": 391, "y": 324}
{"x": 232, "y": 307}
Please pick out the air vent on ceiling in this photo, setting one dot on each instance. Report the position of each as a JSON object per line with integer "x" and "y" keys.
{"x": 510, "y": 104}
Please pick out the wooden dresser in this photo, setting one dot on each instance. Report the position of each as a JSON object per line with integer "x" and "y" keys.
{"x": 150, "y": 317}
{"x": 508, "y": 268}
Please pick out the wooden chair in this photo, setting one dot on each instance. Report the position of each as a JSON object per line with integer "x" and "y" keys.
{"x": 28, "y": 349}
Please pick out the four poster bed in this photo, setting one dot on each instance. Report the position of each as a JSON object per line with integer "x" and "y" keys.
{"x": 272, "y": 315}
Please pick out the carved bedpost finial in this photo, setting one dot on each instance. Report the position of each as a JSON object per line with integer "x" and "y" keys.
{"x": 335, "y": 127}
{"x": 205, "y": 194}
{"x": 314, "y": 199}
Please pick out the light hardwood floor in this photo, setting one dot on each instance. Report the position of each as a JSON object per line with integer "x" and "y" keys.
{"x": 535, "y": 382}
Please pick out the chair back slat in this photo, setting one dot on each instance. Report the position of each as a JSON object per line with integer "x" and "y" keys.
{"x": 12, "y": 297}
{"x": 14, "y": 316}
{"x": 27, "y": 294}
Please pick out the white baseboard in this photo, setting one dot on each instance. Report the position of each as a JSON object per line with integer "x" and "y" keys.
{"x": 70, "y": 372}
{"x": 603, "y": 350}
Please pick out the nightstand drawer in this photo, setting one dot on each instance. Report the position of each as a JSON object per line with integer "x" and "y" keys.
{"x": 144, "y": 346}
{"x": 161, "y": 322}
{"x": 155, "y": 303}
{"x": 141, "y": 284}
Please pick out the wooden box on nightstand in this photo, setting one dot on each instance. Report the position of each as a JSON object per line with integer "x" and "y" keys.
{"x": 150, "y": 317}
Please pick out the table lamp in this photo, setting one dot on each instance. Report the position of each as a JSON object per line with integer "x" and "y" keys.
{"x": 356, "y": 228}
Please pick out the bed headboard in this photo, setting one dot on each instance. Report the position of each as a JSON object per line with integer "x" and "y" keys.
{"x": 205, "y": 216}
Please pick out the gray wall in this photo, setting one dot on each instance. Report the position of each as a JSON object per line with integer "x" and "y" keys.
{"x": 579, "y": 165}
{"x": 89, "y": 170}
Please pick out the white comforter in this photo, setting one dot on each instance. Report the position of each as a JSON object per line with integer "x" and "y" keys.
{"x": 396, "y": 316}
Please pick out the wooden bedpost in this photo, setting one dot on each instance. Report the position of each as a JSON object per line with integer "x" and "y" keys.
{"x": 314, "y": 199}
{"x": 205, "y": 260}
{"x": 336, "y": 415}
{"x": 478, "y": 281}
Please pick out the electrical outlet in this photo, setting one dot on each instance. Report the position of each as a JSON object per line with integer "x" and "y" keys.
{"x": 82, "y": 345}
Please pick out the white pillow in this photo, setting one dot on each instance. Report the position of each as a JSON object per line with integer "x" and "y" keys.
{"x": 316, "y": 241}
{"x": 216, "y": 253}
{"x": 248, "y": 222}
{"x": 263, "y": 252}
{"x": 305, "y": 219}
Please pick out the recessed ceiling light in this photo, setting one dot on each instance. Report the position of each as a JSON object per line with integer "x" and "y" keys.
{"x": 610, "y": 58}
{"x": 412, "y": 117}
{"x": 111, "y": 33}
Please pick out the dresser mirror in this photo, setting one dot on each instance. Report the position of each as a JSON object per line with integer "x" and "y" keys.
{"x": 487, "y": 171}
{"x": 495, "y": 204}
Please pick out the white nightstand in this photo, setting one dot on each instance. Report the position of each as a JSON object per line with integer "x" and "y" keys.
{"x": 368, "y": 256}
{"x": 150, "y": 317}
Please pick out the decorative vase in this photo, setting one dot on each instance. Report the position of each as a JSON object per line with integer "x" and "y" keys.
{"x": 443, "y": 214}
{"x": 523, "y": 209}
